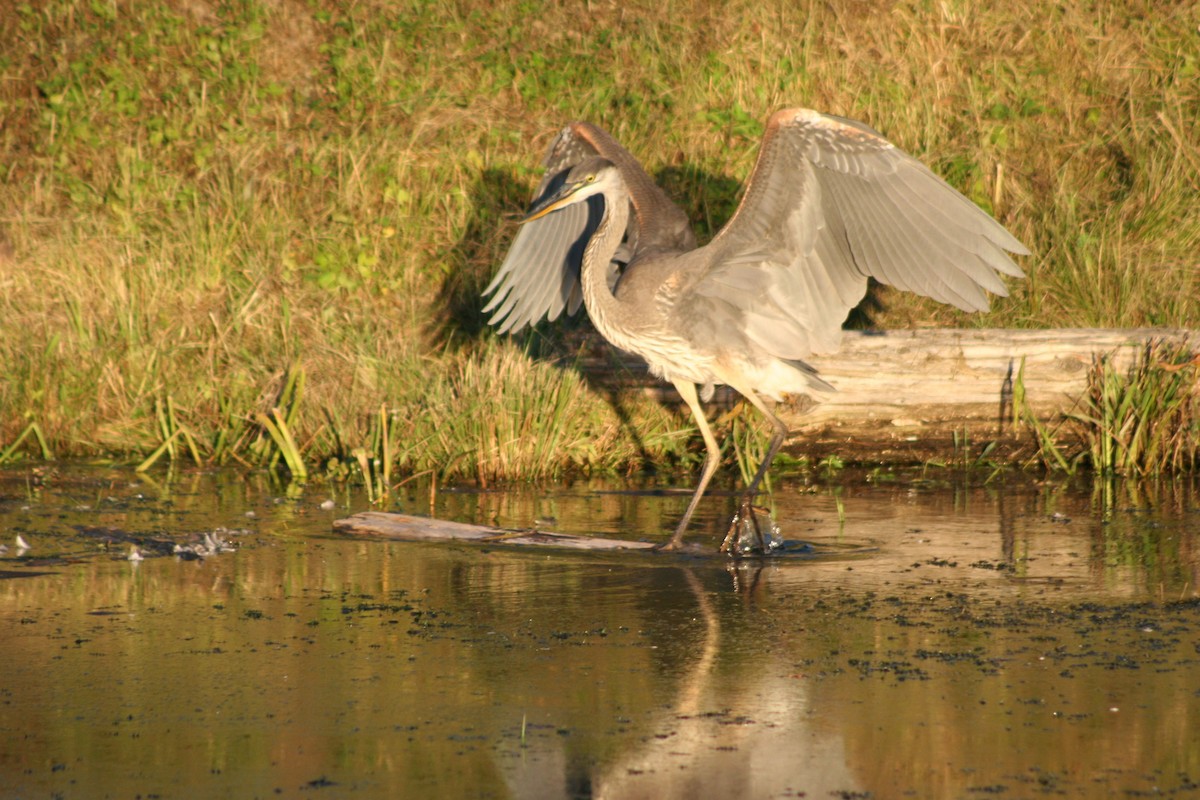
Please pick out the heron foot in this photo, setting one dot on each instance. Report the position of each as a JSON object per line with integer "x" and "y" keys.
{"x": 745, "y": 535}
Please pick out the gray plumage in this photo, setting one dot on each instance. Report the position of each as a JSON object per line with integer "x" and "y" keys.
{"x": 829, "y": 204}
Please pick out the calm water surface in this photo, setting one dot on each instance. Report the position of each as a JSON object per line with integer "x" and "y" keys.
{"x": 953, "y": 640}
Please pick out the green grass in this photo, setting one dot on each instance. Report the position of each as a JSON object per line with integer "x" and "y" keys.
{"x": 1140, "y": 421}
{"x": 202, "y": 201}
{"x": 1145, "y": 420}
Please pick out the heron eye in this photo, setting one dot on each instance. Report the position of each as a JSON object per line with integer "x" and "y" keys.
{"x": 591, "y": 178}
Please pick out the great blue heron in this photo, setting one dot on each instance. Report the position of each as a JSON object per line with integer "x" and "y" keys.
{"x": 830, "y": 203}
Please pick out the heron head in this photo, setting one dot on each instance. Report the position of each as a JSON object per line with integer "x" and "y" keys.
{"x": 587, "y": 178}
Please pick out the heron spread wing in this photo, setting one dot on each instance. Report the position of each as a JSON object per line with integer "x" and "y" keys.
{"x": 829, "y": 204}
{"x": 540, "y": 274}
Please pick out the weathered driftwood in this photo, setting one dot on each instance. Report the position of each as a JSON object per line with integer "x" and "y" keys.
{"x": 901, "y": 375}
{"x": 402, "y": 527}
{"x": 909, "y": 394}
{"x": 406, "y": 528}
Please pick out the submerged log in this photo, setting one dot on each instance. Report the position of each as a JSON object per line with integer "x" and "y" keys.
{"x": 406, "y": 528}
{"x": 912, "y": 395}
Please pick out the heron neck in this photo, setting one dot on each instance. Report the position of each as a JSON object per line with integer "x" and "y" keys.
{"x": 597, "y": 296}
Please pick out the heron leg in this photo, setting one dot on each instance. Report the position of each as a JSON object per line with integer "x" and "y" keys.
{"x": 746, "y": 511}
{"x": 777, "y": 439}
{"x": 688, "y": 392}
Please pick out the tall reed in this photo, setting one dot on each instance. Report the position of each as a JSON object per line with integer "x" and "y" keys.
{"x": 1146, "y": 419}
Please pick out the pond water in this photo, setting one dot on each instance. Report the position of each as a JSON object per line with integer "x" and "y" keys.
{"x": 956, "y": 638}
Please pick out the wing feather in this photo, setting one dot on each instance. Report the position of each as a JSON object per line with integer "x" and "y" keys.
{"x": 829, "y": 204}
{"x": 540, "y": 275}
{"x": 916, "y": 255}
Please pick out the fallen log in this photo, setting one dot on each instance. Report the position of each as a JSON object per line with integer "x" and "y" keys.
{"x": 908, "y": 374}
{"x": 915, "y": 395}
{"x": 392, "y": 526}
{"x": 406, "y": 528}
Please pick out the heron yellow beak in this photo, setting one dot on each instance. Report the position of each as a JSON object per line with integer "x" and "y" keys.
{"x": 563, "y": 197}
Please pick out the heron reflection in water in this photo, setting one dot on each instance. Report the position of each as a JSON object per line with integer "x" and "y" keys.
{"x": 829, "y": 204}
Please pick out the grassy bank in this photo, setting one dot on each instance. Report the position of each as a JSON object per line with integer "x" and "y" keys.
{"x": 203, "y": 201}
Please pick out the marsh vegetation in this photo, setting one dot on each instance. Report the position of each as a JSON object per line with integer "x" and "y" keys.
{"x": 255, "y": 232}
